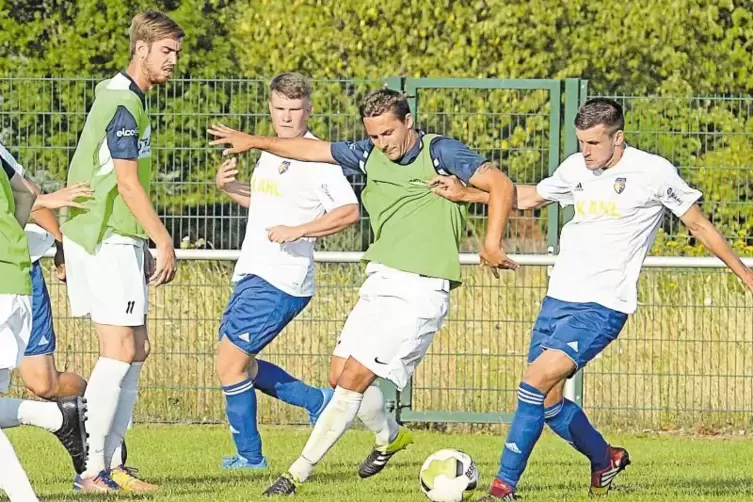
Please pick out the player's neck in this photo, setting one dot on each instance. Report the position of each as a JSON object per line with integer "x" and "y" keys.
{"x": 616, "y": 157}
{"x": 138, "y": 76}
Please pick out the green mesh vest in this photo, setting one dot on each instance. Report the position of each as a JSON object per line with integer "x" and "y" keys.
{"x": 15, "y": 263}
{"x": 415, "y": 230}
{"x": 106, "y": 212}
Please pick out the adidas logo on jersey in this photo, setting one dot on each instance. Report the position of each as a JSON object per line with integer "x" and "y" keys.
{"x": 43, "y": 341}
{"x": 244, "y": 337}
{"x": 579, "y": 187}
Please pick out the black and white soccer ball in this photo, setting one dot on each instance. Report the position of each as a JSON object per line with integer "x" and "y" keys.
{"x": 448, "y": 476}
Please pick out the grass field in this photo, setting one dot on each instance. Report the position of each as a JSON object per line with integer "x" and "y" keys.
{"x": 184, "y": 459}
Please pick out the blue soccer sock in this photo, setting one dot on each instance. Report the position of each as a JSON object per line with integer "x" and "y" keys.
{"x": 569, "y": 422}
{"x": 241, "y": 414}
{"x": 276, "y": 382}
{"x": 525, "y": 430}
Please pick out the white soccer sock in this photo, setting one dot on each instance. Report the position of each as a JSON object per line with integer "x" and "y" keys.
{"x": 102, "y": 397}
{"x": 15, "y": 412}
{"x": 13, "y": 479}
{"x": 375, "y": 417}
{"x": 332, "y": 424}
{"x": 129, "y": 391}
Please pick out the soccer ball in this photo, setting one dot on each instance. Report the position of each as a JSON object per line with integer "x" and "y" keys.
{"x": 448, "y": 476}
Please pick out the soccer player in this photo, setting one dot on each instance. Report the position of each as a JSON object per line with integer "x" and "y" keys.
{"x": 290, "y": 204}
{"x": 107, "y": 258}
{"x": 65, "y": 418}
{"x": 37, "y": 369}
{"x": 413, "y": 264}
{"x": 619, "y": 194}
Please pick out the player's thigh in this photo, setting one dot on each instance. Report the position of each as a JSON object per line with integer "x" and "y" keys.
{"x": 40, "y": 375}
{"x": 583, "y": 330}
{"x": 256, "y": 313}
{"x": 390, "y": 333}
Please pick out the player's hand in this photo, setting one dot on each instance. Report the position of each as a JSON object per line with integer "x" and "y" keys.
{"x": 149, "y": 263}
{"x": 495, "y": 258}
{"x": 449, "y": 187}
{"x": 282, "y": 234}
{"x": 65, "y": 197}
{"x": 167, "y": 264}
{"x": 226, "y": 173}
{"x": 239, "y": 141}
{"x": 59, "y": 261}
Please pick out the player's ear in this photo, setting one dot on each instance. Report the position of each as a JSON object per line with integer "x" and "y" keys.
{"x": 619, "y": 137}
{"x": 408, "y": 121}
{"x": 142, "y": 49}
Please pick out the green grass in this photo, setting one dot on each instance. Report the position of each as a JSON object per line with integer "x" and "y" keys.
{"x": 184, "y": 460}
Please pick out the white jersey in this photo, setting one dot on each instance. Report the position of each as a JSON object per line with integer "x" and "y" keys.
{"x": 288, "y": 192}
{"x": 617, "y": 213}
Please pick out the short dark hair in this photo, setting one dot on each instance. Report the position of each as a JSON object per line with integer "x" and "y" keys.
{"x": 291, "y": 85}
{"x": 600, "y": 111}
{"x": 382, "y": 101}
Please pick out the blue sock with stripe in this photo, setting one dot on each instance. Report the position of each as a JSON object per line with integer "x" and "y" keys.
{"x": 525, "y": 430}
{"x": 569, "y": 422}
{"x": 276, "y": 382}
{"x": 241, "y": 415}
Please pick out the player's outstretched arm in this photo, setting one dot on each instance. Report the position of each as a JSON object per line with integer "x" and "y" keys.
{"x": 450, "y": 187}
{"x": 705, "y": 231}
{"x": 138, "y": 202}
{"x": 501, "y": 193}
{"x": 227, "y": 183}
{"x": 305, "y": 149}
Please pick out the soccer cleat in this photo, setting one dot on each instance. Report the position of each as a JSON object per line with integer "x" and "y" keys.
{"x": 101, "y": 483}
{"x": 283, "y": 485}
{"x": 380, "y": 455}
{"x": 125, "y": 478}
{"x": 327, "y": 393}
{"x": 238, "y": 462}
{"x": 601, "y": 480}
{"x": 72, "y": 434}
{"x": 499, "y": 491}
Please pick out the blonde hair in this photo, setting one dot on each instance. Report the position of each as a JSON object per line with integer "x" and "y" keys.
{"x": 151, "y": 26}
{"x": 291, "y": 85}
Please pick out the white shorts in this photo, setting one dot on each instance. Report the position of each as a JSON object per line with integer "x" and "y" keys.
{"x": 15, "y": 329}
{"x": 394, "y": 321}
{"x": 109, "y": 285}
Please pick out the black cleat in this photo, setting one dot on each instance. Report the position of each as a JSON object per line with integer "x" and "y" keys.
{"x": 72, "y": 434}
{"x": 284, "y": 485}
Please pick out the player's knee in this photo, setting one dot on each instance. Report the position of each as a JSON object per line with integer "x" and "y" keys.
{"x": 336, "y": 366}
{"x": 355, "y": 376}
{"x": 44, "y": 388}
{"x": 230, "y": 369}
{"x": 118, "y": 344}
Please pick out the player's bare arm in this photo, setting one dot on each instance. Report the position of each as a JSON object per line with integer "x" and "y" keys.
{"x": 450, "y": 187}
{"x": 23, "y": 197}
{"x": 501, "y": 193}
{"x": 226, "y": 181}
{"x": 138, "y": 202}
{"x": 334, "y": 221}
{"x": 304, "y": 149}
{"x": 705, "y": 231}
